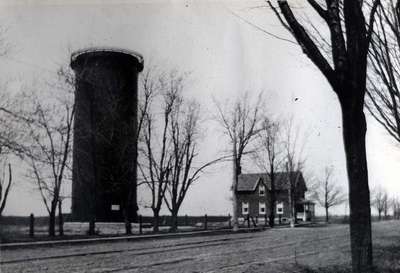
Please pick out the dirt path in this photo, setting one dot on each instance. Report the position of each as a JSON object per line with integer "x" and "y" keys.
{"x": 269, "y": 251}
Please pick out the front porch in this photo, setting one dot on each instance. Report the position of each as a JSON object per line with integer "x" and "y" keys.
{"x": 305, "y": 210}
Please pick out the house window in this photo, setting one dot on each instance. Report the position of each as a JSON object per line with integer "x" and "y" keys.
{"x": 261, "y": 190}
{"x": 245, "y": 208}
{"x": 279, "y": 208}
{"x": 261, "y": 207}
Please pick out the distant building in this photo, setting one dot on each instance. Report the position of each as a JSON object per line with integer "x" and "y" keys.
{"x": 254, "y": 197}
{"x": 105, "y": 133}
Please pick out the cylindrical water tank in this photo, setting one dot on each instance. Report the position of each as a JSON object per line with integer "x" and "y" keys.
{"x": 105, "y": 134}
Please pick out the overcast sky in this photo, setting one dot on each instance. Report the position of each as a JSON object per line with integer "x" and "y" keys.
{"x": 226, "y": 57}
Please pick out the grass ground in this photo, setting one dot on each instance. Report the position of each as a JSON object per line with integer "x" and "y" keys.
{"x": 386, "y": 252}
{"x": 10, "y": 233}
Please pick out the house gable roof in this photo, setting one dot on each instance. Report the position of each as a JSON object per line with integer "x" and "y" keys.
{"x": 249, "y": 182}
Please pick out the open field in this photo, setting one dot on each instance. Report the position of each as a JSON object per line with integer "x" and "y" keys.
{"x": 16, "y": 229}
{"x": 274, "y": 251}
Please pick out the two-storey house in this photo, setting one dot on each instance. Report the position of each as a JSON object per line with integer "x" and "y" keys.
{"x": 253, "y": 194}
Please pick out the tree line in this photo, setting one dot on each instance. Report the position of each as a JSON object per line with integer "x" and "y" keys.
{"x": 384, "y": 203}
{"x": 169, "y": 132}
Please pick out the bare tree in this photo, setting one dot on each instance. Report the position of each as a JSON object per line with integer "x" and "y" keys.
{"x": 327, "y": 193}
{"x": 383, "y": 91}
{"x": 8, "y": 136}
{"x": 156, "y": 165}
{"x": 50, "y": 155}
{"x": 294, "y": 164}
{"x": 386, "y": 204}
{"x": 396, "y": 207}
{"x": 46, "y": 126}
{"x": 240, "y": 123}
{"x": 184, "y": 131}
{"x": 345, "y": 68}
{"x": 269, "y": 156}
{"x": 169, "y": 145}
{"x": 380, "y": 201}
{"x": 66, "y": 83}
{"x": 185, "y": 134}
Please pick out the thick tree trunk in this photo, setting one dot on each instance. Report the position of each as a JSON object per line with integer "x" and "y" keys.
{"x": 52, "y": 221}
{"x": 273, "y": 201}
{"x": 174, "y": 221}
{"x": 60, "y": 220}
{"x": 295, "y": 211}
{"x": 156, "y": 220}
{"x": 354, "y": 131}
{"x": 236, "y": 172}
{"x": 291, "y": 207}
{"x": 327, "y": 214}
{"x": 235, "y": 222}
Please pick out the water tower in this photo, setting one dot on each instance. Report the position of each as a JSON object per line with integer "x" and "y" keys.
{"x": 105, "y": 134}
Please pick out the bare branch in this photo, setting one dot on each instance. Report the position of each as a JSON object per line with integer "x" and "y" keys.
{"x": 3, "y": 198}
